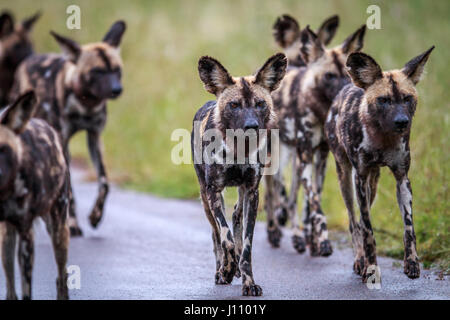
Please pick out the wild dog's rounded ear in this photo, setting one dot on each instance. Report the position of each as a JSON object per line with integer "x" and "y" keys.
{"x": 69, "y": 47}
{"x": 215, "y": 77}
{"x": 115, "y": 33}
{"x": 414, "y": 68}
{"x": 272, "y": 72}
{"x": 286, "y": 30}
{"x": 16, "y": 116}
{"x": 29, "y": 22}
{"x": 311, "y": 47}
{"x": 6, "y": 24}
{"x": 355, "y": 41}
{"x": 363, "y": 69}
{"x": 328, "y": 29}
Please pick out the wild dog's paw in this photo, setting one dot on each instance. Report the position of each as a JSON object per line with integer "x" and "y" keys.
{"x": 95, "y": 217}
{"x": 369, "y": 272}
{"x": 11, "y": 296}
{"x": 75, "y": 231}
{"x": 299, "y": 243}
{"x": 225, "y": 275}
{"x": 251, "y": 290}
{"x": 412, "y": 269}
{"x": 325, "y": 248}
{"x": 62, "y": 289}
{"x": 220, "y": 278}
{"x": 358, "y": 265}
{"x": 238, "y": 273}
{"x": 282, "y": 216}
{"x": 274, "y": 236}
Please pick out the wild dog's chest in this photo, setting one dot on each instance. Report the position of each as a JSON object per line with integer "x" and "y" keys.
{"x": 79, "y": 117}
{"x": 234, "y": 175}
{"x": 396, "y": 156}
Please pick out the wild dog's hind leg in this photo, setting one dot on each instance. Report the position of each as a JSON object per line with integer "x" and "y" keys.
{"x": 228, "y": 262}
{"x": 26, "y": 259}
{"x": 344, "y": 171}
{"x": 75, "y": 230}
{"x": 271, "y": 200}
{"x": 249, "y": 288}
{"x": 58, "y": 229}
{"x": 9, "y": 236}
{"x": 237, "y": 227}
{"x": 95, "y": 150}
{"x": 404, "y": 198}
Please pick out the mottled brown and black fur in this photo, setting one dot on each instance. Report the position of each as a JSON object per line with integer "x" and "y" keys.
{"x": 244, "y": 104}
{"x": 72, "y": 90}
{"x": 34, "y": 182}
{"x": 368, "y": 127}
{"x": 15, "y": 46}
{"x": 302, "y": 103}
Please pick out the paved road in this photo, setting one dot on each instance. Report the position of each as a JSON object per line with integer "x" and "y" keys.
{"x": 151, "y": 248}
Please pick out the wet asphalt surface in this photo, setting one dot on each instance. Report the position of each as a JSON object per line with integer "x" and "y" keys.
{"x": 152, "y": 248}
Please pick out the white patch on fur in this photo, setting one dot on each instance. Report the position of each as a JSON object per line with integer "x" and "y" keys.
{"x": 289, "y": 124}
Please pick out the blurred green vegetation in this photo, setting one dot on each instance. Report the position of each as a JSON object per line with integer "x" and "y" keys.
{"x": 161, "y": 47}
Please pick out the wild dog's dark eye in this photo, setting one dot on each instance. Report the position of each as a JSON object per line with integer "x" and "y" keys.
{"x": 383, "y": 101}
{"x": 408, "y": 99}
{"x": 98, "y": 71}
{"x": 234, "y": 105}
{"x": 261, "y": 104}
{"x": 330, "y": 75}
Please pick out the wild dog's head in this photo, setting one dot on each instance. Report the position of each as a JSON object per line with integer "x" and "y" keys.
{"x": 13, "y": 121}
{"x": 286, "y": 32}
{"x": 325, "y": 75}
{"x": 390, "y": 97}
{"x": 15, "y": 43}
{"x": 98, "y": 71}
{"x": 244, "y": 102}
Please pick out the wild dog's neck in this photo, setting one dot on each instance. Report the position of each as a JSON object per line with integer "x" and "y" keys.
{"x": 74, "y": 83}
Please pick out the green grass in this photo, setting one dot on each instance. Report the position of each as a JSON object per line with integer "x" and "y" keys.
{"x": 161, "y": 47}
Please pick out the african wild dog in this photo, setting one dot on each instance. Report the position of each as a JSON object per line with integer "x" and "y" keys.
{"x": 72, "y": 90}
{"x": 34, "y": 182}
{"x": 242, "y": 104}
{"x": 302, "y": 103}
{"x": 368, "y": 127}
{"x": 286, "y": 32}
{"x": 15, "y": 46}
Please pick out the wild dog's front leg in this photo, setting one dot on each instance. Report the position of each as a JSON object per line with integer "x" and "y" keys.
{"x": 237, "y": 227}
{"x": 319, "y": 245}
{"x": 344, "y": 171}
{"x": 249, "y": 288}
{"x": 26, "y": 259}
{"x": 229, "y": 263}
{"x": 320, "y": 164}
{"x": 404, "y": 198}
{"x": 369, "y": 245}
{"x": 95, "y": 145}
{"x": 8, "y": 236}
{"x": 298, "y": 238}
{"x": 271, "y": 199}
